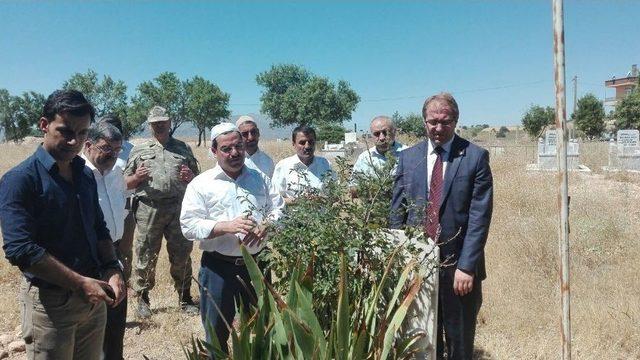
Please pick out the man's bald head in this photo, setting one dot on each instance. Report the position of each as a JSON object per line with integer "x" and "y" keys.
{"x": 383, "y": 132}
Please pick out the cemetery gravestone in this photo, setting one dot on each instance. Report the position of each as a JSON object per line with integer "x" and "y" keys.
{"x": 422, "y": 314}
{"x": 547, "y": 154}
{"x": 624, "y": 153}
{"x": 350, "y": 137}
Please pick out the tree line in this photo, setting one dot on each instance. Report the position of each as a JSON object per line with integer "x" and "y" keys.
{"x": 291, "y": 96}
{"x": 589, "y": 117}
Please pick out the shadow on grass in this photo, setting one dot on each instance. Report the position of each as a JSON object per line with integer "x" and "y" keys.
{"x": 481, "y": 354}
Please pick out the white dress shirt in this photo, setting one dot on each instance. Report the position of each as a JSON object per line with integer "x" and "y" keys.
{"x": 291, "y": 176}
{"x": 112, "y": 193}
{"x": 213, "y": 196}
{"x": 433, "y": 156}
{"x": 372, "y": 159}
{"x": 261, "y": 161}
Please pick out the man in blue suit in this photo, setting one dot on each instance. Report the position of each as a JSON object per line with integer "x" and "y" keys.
{"x": 444, "y": 184}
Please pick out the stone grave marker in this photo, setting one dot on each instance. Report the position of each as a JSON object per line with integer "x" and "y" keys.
{"x": 547, "y": 154}
{"x": 624, "y": 153}
{"x": 422, "y": 314}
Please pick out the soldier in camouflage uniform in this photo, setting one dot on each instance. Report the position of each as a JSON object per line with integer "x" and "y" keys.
{"x": 160, "y": 170}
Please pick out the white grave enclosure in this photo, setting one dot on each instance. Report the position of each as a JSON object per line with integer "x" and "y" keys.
{"x": 422, "y": 315}
{"x": 547, "y": 154}
{"x": 624, "y": 153}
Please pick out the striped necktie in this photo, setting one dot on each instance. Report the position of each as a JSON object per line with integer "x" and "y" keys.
{"x": 432, "y": 221}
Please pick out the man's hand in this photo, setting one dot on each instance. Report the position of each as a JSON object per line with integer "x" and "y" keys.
{"x": 462, "y": 282}
{"x": 115, "y": 280}
{"x": 142, "y": 173}
{"x": 256, "y": 236}
{"x": 186, "y": 174}
{"x": 95, "y": 291}
{"x": 242, "y": 224}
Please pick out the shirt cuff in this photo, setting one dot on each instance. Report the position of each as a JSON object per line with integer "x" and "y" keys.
{"x": 204, "y": 229}
{"x": 29, "y": 259}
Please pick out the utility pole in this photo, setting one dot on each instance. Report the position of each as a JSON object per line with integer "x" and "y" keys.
{"x": 575, "y": 104}
{"x": 575, "y": 93}
{"x": 563, "y": 181}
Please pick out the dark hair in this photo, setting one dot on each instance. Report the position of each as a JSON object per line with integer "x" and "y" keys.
{"x": 112, "y": 119}
{"x": 103, "y": 130}
{"x": 72, "y": 102}
{"x": 444, "y": 98}
{"x": 305, "y": 129}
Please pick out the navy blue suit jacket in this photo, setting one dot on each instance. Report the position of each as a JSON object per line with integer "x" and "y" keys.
{"x": 467, "y": 201}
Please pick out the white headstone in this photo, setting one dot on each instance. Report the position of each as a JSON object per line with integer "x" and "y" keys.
{"x": 628, "y": 138}
{"x": 550, "y": 141}
{"x": 350, "y": 137}
{"x": 422, "y": 313}
{"x": 547, "y": 157}
{"x": 624, "y": 154}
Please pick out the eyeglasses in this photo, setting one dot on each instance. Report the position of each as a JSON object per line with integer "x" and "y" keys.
{"x": 108, "y": 149}
{"x": 254, "y": 132}
{"x": 434, "y": 122}
{"x": 227, "y": 149}
{"x": 377, "y": 133}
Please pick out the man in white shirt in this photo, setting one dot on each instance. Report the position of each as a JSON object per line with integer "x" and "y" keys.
{"x": 303, "y": 171}
{"x": 125, "y": 245}
{"x": 383, "y": 132}
{"x": 254, "y": 156}
{"x": 101, "y": 149}
{"x": 222, "y": 208}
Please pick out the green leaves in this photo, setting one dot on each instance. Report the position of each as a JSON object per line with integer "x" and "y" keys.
{"x": 19, "y": 115}
{"x": 293, "y": 96}
{"x": 293, "y": 330}
{"x": 627, "y": 113}
{"x": 589, "y": 116}
{"x": 536, "y": 119}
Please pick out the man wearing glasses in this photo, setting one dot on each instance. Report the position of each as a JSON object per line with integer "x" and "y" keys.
{"x": 222, "y": 208}
{"x": 160, "y": 170}
{"x": 101, "y": 150}
{"x": 255, "y": 157}
{"x": 444, "y": 184}
{"x": 369, "y": 162}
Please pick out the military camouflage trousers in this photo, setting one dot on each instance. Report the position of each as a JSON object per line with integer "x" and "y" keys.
{"x": 153, "y": 223}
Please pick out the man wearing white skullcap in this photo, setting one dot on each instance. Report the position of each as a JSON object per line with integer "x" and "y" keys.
{"x": 224, "y": 207}
{"x": 251, "y": 136}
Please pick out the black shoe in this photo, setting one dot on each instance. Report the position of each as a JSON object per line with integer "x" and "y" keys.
{"x": 186, "y": 303}
{"x": 143, "y": 310}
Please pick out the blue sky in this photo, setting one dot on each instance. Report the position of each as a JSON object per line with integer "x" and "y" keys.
{"x": 495, "y": 57}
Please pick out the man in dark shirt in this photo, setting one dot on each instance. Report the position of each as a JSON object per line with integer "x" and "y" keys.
{"x": 54, "y": 231}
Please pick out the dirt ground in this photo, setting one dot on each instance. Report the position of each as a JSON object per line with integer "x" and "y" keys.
{"x": 520, "y": 316}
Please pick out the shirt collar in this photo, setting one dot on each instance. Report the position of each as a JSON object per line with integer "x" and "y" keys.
{"x": 393, "y": 149}
{"x": 49, "y": 162}
{"x": 219, "y": 174}
{"x": 255, "y": 154}
{"x": 446, "y": 146}
{"x": 299, "y": 162}
{"x": 93, "y": 168}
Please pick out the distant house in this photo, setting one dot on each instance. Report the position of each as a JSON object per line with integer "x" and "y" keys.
{"x": 623, "y": 86}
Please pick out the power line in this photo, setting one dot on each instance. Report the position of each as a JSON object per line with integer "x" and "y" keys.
{"x": 453, "y": 92}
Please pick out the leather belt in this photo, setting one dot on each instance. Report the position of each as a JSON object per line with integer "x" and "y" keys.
{"x": 235, "y": 260}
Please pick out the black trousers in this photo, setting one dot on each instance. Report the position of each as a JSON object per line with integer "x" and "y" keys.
{"x": 112, "y": 347}
{"x": 222, "y": 287}
{"x": 457, "y": 317}
{"x": 114, "y": 331}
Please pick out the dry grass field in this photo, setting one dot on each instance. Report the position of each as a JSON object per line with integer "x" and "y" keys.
{"x": 520, "y": 314}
